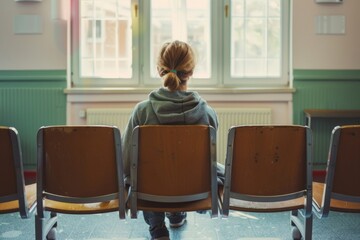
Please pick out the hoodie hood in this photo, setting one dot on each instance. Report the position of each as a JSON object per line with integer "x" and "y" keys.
{"x": 178, "y": 107}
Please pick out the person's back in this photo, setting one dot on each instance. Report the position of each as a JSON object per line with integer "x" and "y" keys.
{"x": 171, "y": 104}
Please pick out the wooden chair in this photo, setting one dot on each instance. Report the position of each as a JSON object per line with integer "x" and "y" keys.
{"x": 80, "y": 171}
{"x": 269, "y": 169}
{"x": 15, "y": 196}
{"x": 173, "y": 169}
{"x": 341, "y": 190}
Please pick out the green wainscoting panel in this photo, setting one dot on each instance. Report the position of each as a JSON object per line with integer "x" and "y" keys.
{"x": 325, "y": 89}
{"x": 29, "y": 100}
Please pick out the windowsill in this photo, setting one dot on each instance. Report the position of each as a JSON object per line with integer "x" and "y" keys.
{"x": 130, "y": 90}
{"x": 278, "y": 99}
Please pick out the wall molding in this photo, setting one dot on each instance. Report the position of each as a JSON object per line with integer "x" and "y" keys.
{"x": 32, "y": 75}
{"x": 326, "y": 75}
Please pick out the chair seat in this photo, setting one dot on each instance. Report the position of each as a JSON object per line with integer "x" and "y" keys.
{"x": 13, "y": 206}
{"x": 247, "y": 206}
{"x": 240, "y": 205}
{"x": 204, "y": 204}
{"x": 31, "y": 194}
{"x": 77, "y": 208}
{"x": 335, "y": 205}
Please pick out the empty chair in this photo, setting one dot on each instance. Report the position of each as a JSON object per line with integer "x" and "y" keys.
{"x": 269, "y": 169}
{"x": 15, "y": 196}
{"x": 173, "y": 169}
{"x": 341, "y": 190}
{"x": 79, "y": 172}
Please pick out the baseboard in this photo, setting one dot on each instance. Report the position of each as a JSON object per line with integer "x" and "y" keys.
{"x": 319, "y": 173}
{"x": 30, "y": 174}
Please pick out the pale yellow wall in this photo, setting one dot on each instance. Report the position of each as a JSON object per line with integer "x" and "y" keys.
{"x": 32, "y": 51}
{"x": 313, "y": 51}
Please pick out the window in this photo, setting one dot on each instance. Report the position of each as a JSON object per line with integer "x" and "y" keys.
{"x": 238, "y": 43}
{"x": 183, "y": 20}
{"x": 103, "y": 36}
{"x": 258, "y": 37}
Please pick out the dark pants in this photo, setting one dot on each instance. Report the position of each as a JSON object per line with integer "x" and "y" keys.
{"x": 156, "y": 222}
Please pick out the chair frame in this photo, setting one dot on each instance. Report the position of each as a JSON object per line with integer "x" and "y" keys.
{"x": 23, "y": 207}
{"x": 306, "y": 213}
{"x": 135, "y": 195}
{"x": 328, "y": 194}
{"x": 44, "y": 226}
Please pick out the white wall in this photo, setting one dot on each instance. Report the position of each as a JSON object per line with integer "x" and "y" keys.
{"x": 314, "y": 51}
{"x": 33, "y": 51}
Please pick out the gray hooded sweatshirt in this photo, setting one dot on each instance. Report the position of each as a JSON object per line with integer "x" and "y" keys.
{"x": 166, "y": 107}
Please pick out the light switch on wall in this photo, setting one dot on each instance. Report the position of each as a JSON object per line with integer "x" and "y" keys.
{"x": 330, "y": 24}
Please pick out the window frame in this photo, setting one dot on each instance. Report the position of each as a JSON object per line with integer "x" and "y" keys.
{"x": 215, "y": 35}
{"x": 283, "y": 80}
{"x": 95, "y": 82}
{"x": 220, "y": 52}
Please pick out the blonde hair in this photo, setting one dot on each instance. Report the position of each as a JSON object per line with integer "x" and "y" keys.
{"x": 175, "y": 64}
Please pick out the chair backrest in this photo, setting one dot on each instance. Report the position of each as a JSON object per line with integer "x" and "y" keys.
{"x": 268, "y": 163}
{"x": 342, "y": 178}
{"x": 12, "y": 187}
{"x": 347, "y": 160}
{"x": 80, "y": 164}
{"x": 173, "y": 163}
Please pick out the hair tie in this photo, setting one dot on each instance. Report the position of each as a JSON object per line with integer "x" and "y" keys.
{"x": 173, "y": 70}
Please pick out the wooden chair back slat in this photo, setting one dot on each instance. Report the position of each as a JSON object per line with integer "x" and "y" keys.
{"x": 269, "y": 169}
{"x": 79, "y": 172}
{"x": 7, "y": 165}
{"x": 14, "y": 195}
{"x": 269, "y": 160}
{"x": 86, "y": 168}
{"x": 170, "y": 158}
{"x": 346, "y": 175}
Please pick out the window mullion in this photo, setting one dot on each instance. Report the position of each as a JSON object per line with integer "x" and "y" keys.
{"x": 266, "y": 38}
{"x": 102, "y": 43}
{"x": 225, "y": 44}
{"x": 138, "y": 40}
{"x": 94, "y": 39}
{"x": 246, "y": 20}
{"x": 117, "y": 57}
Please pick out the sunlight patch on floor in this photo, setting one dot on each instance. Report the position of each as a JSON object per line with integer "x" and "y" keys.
{"x": 258, "y": 238}
{"x": 242, "y": 215}
{"x": 117, "y": 239}
{"x": 11, "y": 234}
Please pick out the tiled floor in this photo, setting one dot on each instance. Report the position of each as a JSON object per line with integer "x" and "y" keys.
{"x": 239, "y": 226}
